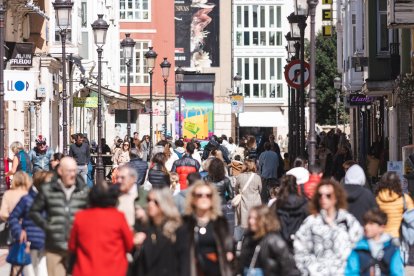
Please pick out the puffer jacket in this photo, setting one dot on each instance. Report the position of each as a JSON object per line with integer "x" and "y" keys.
{"x": 158, "y": 178}
{"x": 40, "y": 161}
{"x": 19, "y": 220}
{"x": 322, "y": 249}
{"x": 274, "y": 257}
{"x": 60, "y": 212}
{"x": 392, "y": 204}
{"x": 184, "y": 167}
{"x": 141, "y": 168}
{"x": 291, "y": 215}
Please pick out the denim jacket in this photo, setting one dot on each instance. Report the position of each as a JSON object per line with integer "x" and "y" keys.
{"x": 40, "y": 161}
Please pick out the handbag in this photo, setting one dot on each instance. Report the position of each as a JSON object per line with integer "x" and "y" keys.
{"x": 407, "y": 224}
{"x": 237, "y": 199}
{"x": 19, "y": 254}
{"x": 251, "y": 270}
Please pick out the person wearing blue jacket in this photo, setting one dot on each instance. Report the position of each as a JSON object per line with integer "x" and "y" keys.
{"x": 23, "y": 228}
{"x": 377, "y": 253}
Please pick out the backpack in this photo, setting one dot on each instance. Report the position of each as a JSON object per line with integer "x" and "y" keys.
{"x": 367, "y": 260}
{"x": 407, "y": 225}
{"x": 180, "y": 155}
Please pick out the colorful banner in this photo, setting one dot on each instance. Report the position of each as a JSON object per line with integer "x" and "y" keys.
{"x": 197, "y": 32}
{"x": 197, "y": 117}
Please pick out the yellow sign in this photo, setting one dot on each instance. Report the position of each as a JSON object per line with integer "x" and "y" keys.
{"x": 88, "y": 102}
{"x": 326, "y": 15}
{"x": 237, "y": 104}
{"x": 327, "y": 2}
{"x": 327, "y": 30}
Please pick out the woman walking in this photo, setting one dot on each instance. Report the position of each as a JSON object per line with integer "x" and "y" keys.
{"x": 205, "y": 234}
{"x": 324, "y": 241}
{"x": 159, "y": 254}
{"x": 158, "y": 174}
{"x": 100, "y": 236}
{"x": 19, "y": 187}
{"x": 122, "y": 156}
{"x": 21, "y": 160}
{"x": 389, "y": 196}
{"x": 249, "y": 186}
{"x": 145, "y": 148}
{"x": 217, "y": 176}
{"x": 263, "y": 248}
{"x": 291, "y": 208}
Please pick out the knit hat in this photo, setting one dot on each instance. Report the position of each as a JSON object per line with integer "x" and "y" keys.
{"x": 301, "y": 174}
{"x": 355, "y": 176}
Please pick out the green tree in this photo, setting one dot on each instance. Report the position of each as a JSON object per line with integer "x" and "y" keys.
{"x": 326, "y": 71}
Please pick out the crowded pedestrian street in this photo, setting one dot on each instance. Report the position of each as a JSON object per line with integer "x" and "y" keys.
{"x": 206, "y": 138}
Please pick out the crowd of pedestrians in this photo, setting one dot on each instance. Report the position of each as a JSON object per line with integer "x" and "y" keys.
{"x": 223, "y": 209}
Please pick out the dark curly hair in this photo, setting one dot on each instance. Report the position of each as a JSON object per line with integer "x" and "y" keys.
{"x": 391, "y": 182}
{"x": 340, "y": 195}
{"x": 288, "y": 186}
{"x": 216, "y": 170}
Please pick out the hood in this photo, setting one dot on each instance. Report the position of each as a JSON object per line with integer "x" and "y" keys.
{"x": 354, "y": 192}
{"x": 387, "y": 195}
{"x": 364, "y": 243}
{"x": 180, "y": 150}
{"x": 355, "y": 176}
{"x": 301, "y": 174}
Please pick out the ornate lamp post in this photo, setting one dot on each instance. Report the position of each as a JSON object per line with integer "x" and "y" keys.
{"x": 100, "y": 28}
{"x": 237, "y": 83}
{"x": 3, "y": 186}
{"x": 128, "y": 46}
{"x": 337, "y": 86}
{"x": 165, "y": 69}
{"x": 179, "y": 78}
{"x": 63, "y": 12}
{"x": 151, "y": 56}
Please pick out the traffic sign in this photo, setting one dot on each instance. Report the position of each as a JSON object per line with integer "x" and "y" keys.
{"x": 292, "y": 74}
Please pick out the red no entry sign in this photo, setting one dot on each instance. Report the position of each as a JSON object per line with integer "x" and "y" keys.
{"x": 292, "y": 74}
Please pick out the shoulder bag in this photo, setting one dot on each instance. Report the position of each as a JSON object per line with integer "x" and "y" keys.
{"x": 252, "y": 270}
{"x": 237, "y": 199}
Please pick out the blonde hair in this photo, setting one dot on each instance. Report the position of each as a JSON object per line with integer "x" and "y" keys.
{"x": 41, "y": 177}
{"x": 172, "y": 218}
{"x": 21, "y": 179}
{"x": 16, "y": 147}
{"x": 190, "y": 207}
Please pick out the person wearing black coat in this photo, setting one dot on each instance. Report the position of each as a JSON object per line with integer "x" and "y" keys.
{"x": 360, "y": 199}
{"x": 263, "y": 248}
{"x": 158, "y": 175}
{"x": 139, "y": 165}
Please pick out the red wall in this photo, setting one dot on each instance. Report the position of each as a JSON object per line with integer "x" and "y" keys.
{"x": 163, "y": 41}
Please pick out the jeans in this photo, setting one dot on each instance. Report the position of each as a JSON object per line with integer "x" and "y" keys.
{"x": 83, "y": 171}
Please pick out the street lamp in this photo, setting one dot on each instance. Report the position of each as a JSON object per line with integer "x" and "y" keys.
{"x": 128, "y": 45}
{"x": 179, "y": 78}
{"x": 100, "y": 28}
{"x": 165, "y": 69}
{"x": 337, "y": 86}
{"x": 63, "y": 13}
{"x": 3, "y": 186}
{"x": 237, "y": 83}
{"x": 151, "y": 56}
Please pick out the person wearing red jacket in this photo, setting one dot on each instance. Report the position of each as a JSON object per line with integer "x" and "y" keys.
{"x": 186, "y": 165}
{"x": 100, "y": 236}
{"x": 315, "y": 176}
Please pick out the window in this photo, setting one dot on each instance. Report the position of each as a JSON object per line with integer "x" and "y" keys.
{"x": 134, "y": 10}
{"x": 383, "y": 34}
{"x": 138, "y": 74}
{"x": 258, "y": 25}
{"x": 262, "y": 76}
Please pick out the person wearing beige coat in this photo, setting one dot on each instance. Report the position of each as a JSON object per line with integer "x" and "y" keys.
{"x": 250, "y": 196}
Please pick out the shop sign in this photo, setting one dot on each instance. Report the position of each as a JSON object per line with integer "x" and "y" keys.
{"x": 237, "y": 104}
{"x": 22, "y": 55}
{"x": 19, "y": 85}
{"x": 88, "y": 102}
{"x": 360, "y": 99}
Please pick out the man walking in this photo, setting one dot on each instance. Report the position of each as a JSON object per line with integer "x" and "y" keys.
{"x": 80, "y": 152}
{"x": 139, "y": 165}
{"x": 40, "y": 155}
{"x": 268, "y": 166}
{"x": 127, "y": 178}
{"x": 60, "y": 199}
{"x": 185, "y": 166}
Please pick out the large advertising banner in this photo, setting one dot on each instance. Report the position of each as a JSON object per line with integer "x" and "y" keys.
{"x": 197, "y": 114}
{"x": 197, "y": 33}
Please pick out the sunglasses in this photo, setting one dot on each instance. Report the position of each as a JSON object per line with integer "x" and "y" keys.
{"x": 328, "y": 196}
{"x": 41, "y": 144}
{"x": 200, "y": 195}
{"x": 152, "y": 200}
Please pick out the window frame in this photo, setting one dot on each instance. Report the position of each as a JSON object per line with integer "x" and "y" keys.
{"x": 379, "y": 30}
{"x": 134, "y": 11}
{"x": 139, "y": 47}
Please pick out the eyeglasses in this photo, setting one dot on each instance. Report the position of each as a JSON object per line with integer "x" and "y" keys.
{"x": 328, "y": 196}
{"x": 200, "y": 195}
{"x": 41, "y": 144}
{"x": 152, "y": 200}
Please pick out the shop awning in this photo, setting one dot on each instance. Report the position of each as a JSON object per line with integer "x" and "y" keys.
{"x": 262, "y": 119}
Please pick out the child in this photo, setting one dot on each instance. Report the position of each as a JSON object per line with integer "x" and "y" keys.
{"x": 175, "y": 185}
{"x": 376, "y": 253}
